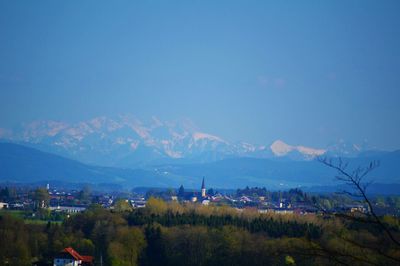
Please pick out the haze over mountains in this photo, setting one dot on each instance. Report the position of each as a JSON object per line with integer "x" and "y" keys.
{"x": 27, "y": 165}
{"x": 126, "y": 141}
{"x": 131, "y": 153}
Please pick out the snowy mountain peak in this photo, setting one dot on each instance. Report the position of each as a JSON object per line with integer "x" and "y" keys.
{"x": 125, "y": 140}
{"x": 280, "y": 148}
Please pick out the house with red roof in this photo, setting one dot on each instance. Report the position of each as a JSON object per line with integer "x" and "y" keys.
{"x": 70, "y": 257}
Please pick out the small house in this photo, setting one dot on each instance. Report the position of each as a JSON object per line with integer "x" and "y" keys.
{"x": 70, "y": 257}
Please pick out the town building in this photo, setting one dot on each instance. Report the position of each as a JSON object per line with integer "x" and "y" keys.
{"x": 70, "y": 257}
{"x": 68, "y": 209}
{"x": 193, "y": 196}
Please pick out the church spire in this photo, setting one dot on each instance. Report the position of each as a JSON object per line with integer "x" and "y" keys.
{"x": 203, "y": 189}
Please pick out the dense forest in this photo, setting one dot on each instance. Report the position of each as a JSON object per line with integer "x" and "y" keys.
{"x": 188, "y": 234}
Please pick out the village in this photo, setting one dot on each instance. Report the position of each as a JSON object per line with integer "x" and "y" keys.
{"x": 58, "y": 202}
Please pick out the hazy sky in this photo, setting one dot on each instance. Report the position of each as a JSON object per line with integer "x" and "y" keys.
{"x": 307, "y": 72}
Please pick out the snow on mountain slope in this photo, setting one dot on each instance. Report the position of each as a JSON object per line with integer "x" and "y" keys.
{"x": 280, "y": 148}
{"x": 126, "y": 141}
{"x": 348, "y": 149}
{"x": 107, "y": 141}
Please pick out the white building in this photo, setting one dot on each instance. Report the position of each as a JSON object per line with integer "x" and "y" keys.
{"x": 70, "y": 257}
{"x": 68, "y": 209}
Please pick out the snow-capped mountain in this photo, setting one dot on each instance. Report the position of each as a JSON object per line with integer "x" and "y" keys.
{"x": 126, "y": 141}
{"x": 347, "y": 149}
{"x": 280, "y": 148}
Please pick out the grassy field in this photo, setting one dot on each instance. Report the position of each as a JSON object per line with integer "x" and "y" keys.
{"x": 26, "y": 216}
{"x": 15, "y": 213}
{"x": 32, "y": 221}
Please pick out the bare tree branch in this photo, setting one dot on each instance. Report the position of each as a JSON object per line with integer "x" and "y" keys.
{"x": 355, "y": 180}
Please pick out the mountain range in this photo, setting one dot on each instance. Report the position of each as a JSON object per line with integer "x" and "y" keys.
{"x": 28, "y": 165}
{"x": 132, "y": 153}
{"x": 126, "y": 141}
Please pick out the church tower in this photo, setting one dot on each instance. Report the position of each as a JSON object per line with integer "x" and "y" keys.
{"x": 203, "y": 189}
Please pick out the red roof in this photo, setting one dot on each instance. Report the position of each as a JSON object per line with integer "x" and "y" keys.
{"x": 78, "y": 256}
{"x": 87, "y": 259}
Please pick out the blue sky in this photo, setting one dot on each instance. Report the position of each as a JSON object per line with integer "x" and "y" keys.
{"x": 308, "y": 72}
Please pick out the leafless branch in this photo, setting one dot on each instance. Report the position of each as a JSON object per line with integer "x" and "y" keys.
{"x": 355, "y": 179}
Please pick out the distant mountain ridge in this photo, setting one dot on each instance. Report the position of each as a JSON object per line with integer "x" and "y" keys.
{"x": 126, "y": 141}
{"x": 27, "y": 165}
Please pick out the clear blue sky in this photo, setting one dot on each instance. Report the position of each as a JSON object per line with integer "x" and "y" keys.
{"x": 307, "y": 72}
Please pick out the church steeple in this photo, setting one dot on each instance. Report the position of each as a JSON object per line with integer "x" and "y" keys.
{"x": 203, "y": 189}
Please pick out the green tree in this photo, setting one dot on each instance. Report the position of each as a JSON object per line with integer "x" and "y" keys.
{"x": 41, "y": 197}
{"x": 126, "y": 248}
{"x": 84, "y": 194}
{"x": 181, "y": 191}
{"x": 156, "y": 206}
{"x": 122, "y": 206}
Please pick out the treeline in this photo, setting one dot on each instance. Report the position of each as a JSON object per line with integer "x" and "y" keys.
{"x": 175, "y": 234}
{"x": 272, "y": 227}
{"x": 292, "y": 194}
